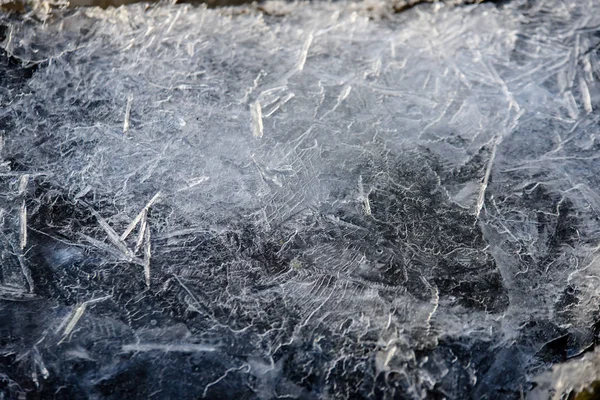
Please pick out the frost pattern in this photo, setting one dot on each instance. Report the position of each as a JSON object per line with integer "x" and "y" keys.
{"x": 324, "y": 202}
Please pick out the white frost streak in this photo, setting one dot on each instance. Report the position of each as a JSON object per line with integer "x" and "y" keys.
{"x": 139, "y": 217}
{"x": 304, "y": 53}
{"x": 486, "y": 178}
{"x": 113, "y": 237}
{"x": 571, "y": 105}
{"x": 363, "y": 197}
{"x": 281, "y": 102}
{"x": 257, "y": 122}
{"x": 78, "y": 314}
{"x": 23, "y": 225}
{"x": 23, "y": 182}
{"x": 127, "y": 114}
{"x": 194, "y": 182}
{"x": 344, "y": 95}
{"x": 141, "y": 232}
{"x": 585, "y": 96}
{"x": 168, "y": 348}
{"x": 147, "y": 254}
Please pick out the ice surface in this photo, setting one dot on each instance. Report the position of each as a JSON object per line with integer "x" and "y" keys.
{"x": 325, "y": 200}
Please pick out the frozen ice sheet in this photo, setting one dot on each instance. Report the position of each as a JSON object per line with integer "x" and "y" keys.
{"x": 318, "y": 201}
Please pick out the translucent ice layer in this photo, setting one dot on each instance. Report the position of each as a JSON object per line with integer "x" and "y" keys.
{"x": 312, "y": 201}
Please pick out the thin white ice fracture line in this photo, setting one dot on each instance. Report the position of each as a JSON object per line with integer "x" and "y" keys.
{"x": 77, "y": 314}
{"x": 20, "y": 174}
{"x": 224, "y": 376}
{"x": 23, "y": 214}
{"x": 255, "y": 108}
{"x": 127, "y": 114}
{"x": 141, "y": 233}
{"x": 364, "y": 197}
{"x": 14, "y": 291}
{"x": 578, "y": 271}
{"x": 23, "y": 226}
{"x": 193, "y": 297}
{"x": 112, "y": 235}
{"x": 147, "y": 254}
{"x": 194, "y": 182}
{"x": 257, "y": 119}
{"x": 119, "y": 255}
{"x": 305, "y": 323}
{"x": 277, "y": 106}
{"x": 8, "y": 46}
{"x": 304, "y": 53}
{"x": 26, "y": 272}
{"x": 585, "y": 96}
{"x": 571, "y": 105}
{"x": 180, "y": 348}
{"x": 486, "y": 178}
{"x": 40, "y": 363}
{"x": 436, "y": 303}
{"x": 174, "y": 20}
{"x": 139, "y": 217}
{"x": 342, "y": 96}
{"x": 253, "y": 88}
{"x": 22, "y": 244}
{"x": 290, "y": 239}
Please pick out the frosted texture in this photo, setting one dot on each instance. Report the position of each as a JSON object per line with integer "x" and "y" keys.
{"x": 313, "y": 201}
